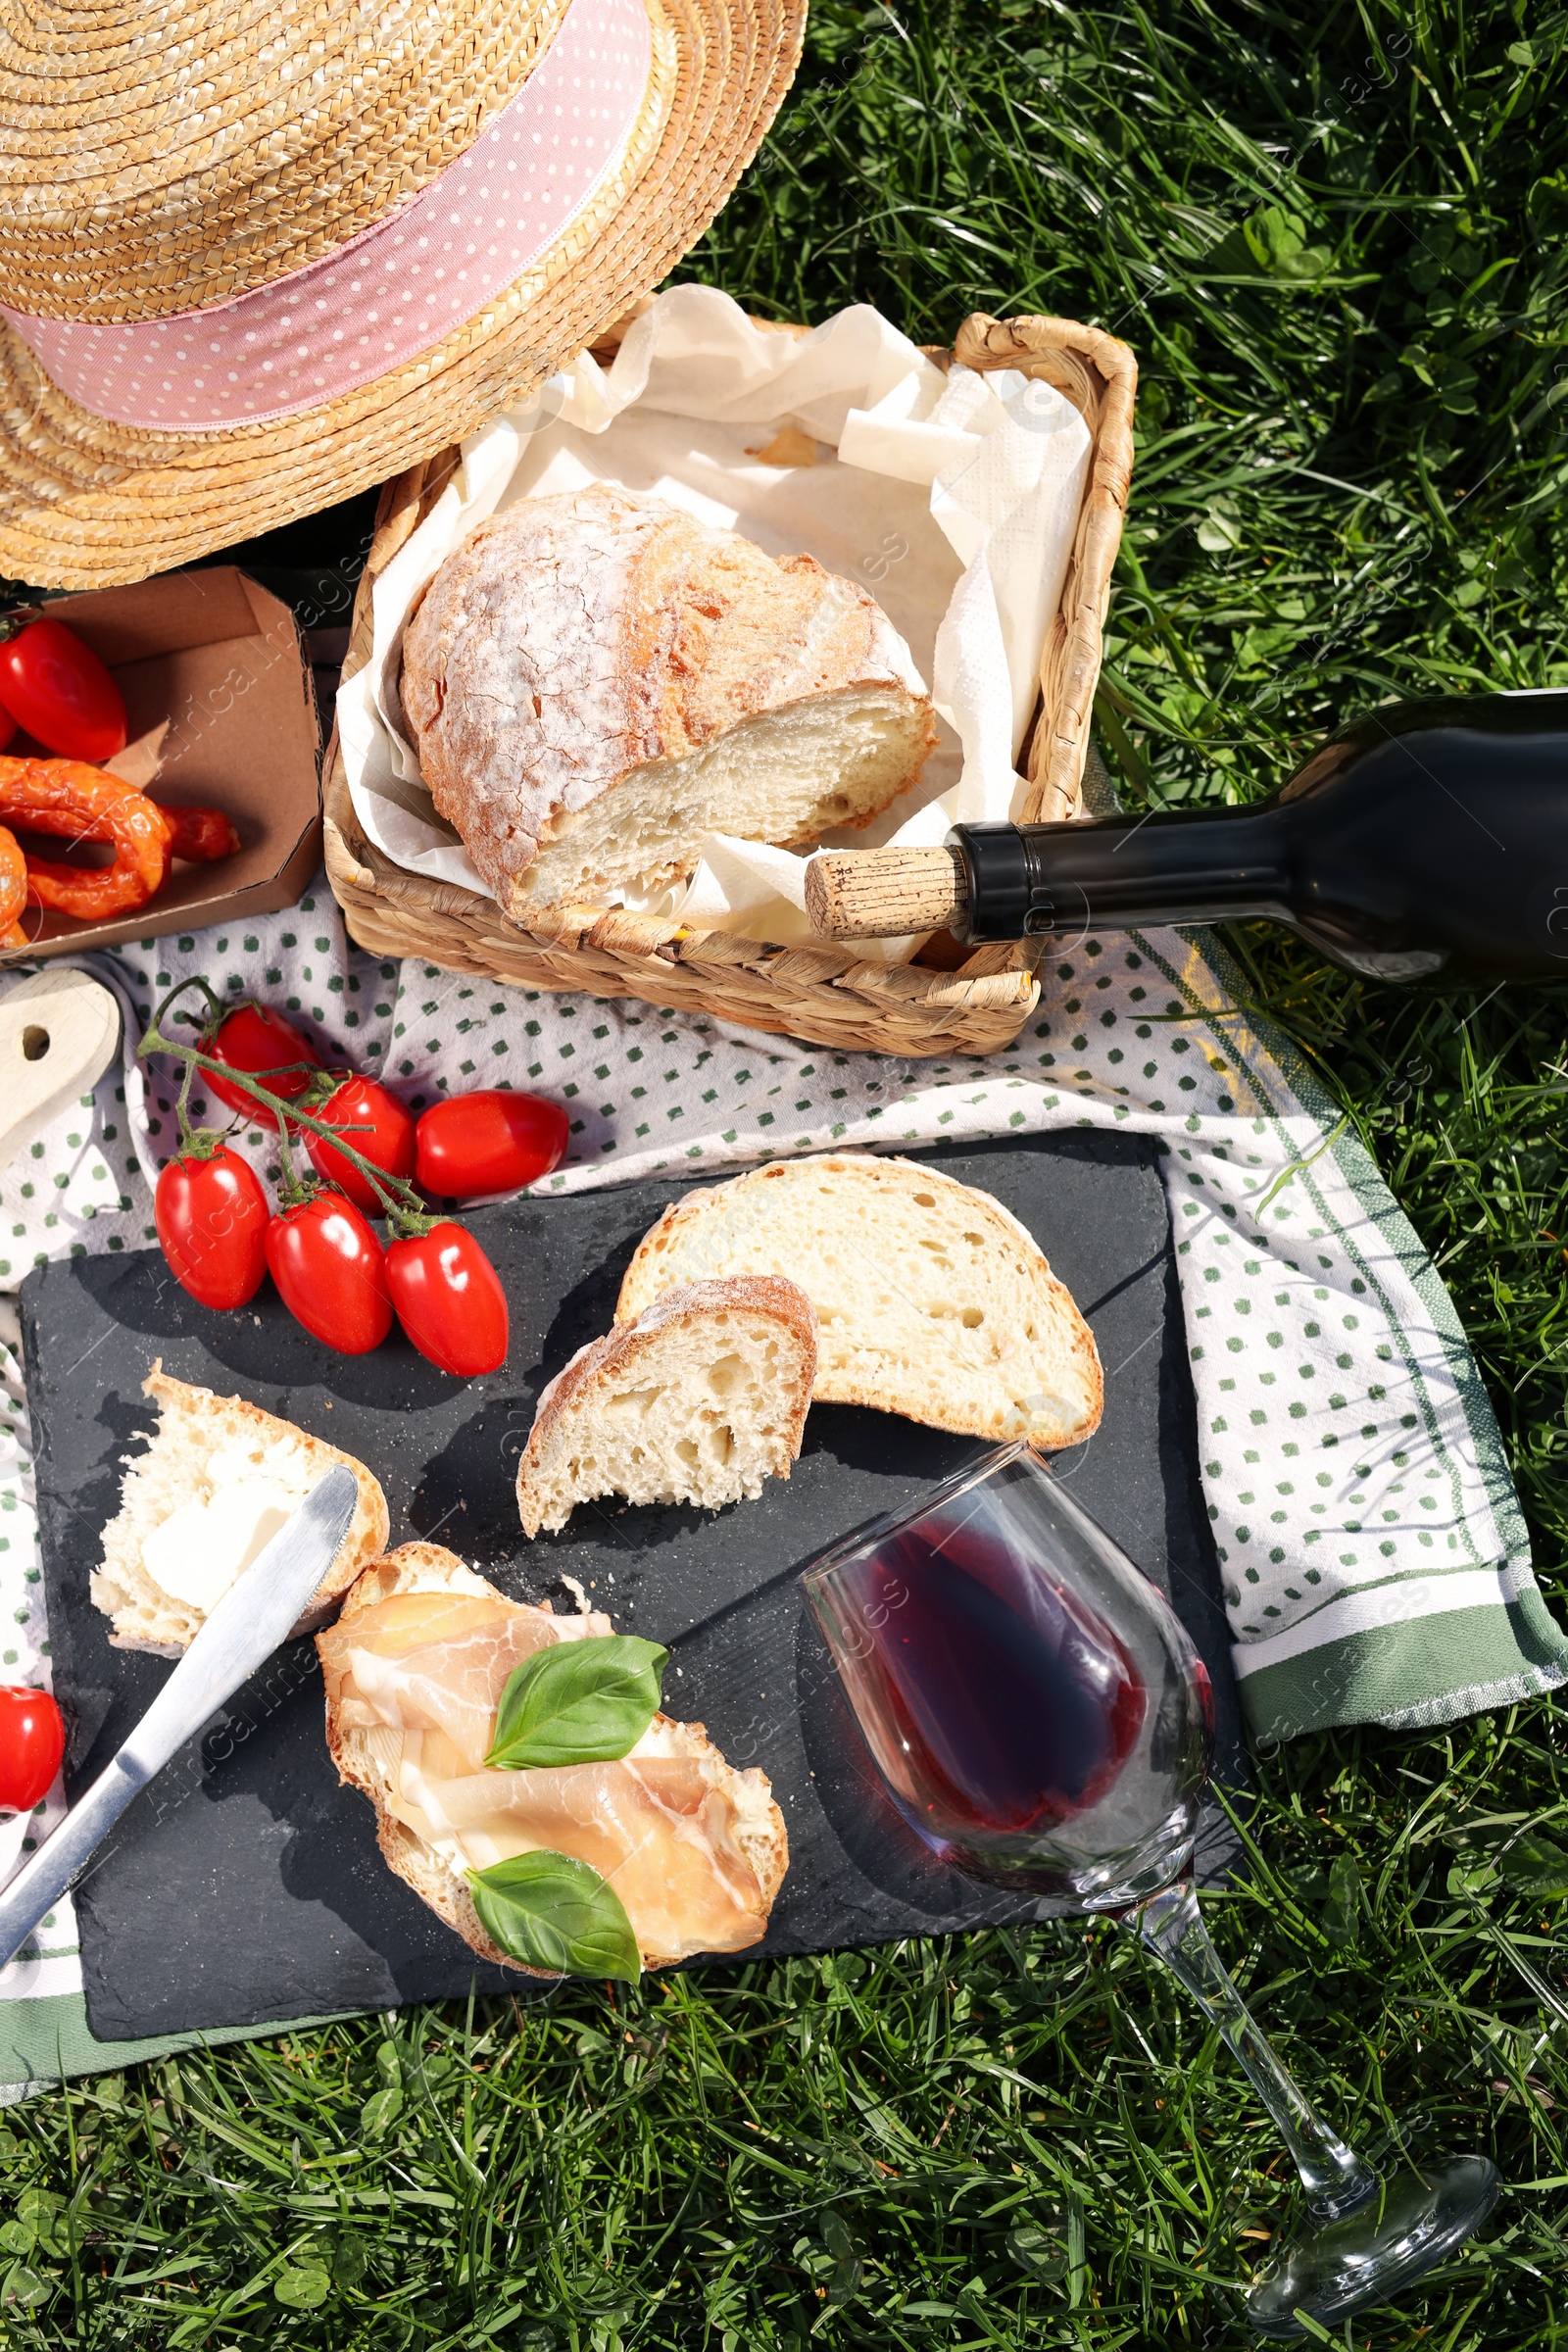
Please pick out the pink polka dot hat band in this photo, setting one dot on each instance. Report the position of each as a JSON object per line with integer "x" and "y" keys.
{"x": 398, "y": 288}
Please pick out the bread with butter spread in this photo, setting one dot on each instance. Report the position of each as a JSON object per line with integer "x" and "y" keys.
{"x": 214, "y": 1487}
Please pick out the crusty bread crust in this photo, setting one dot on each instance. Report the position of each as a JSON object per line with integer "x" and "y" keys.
{"x": 576, "y": 639}
{"x": 724, "y": 1227}
{"x": 432, "y": 1568}
{"x": 611, "y": 1363}
{"x": 231, "y": 1416}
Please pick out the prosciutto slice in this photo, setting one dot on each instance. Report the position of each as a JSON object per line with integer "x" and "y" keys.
{"x": 437, "y": 1662}
{"x": 660, "y": 1824}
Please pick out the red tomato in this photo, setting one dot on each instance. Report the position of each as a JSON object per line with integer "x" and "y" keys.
{"x": 33, "y": 1741}
{"x": 331, "y": 1269}
{"x": 490, "y": 1142}
{"x": 450, "y": 1300}
{"x": 260, "y": 1042}
{"x": 375, "y": 1123}
{"x": 212, "y": 1217}
{"x": 58, "y": 689}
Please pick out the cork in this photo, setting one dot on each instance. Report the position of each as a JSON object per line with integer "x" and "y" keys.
{"x": 884, "y": 894}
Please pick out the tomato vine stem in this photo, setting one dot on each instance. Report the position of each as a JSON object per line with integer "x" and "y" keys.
{"x": 403, "y": 1206}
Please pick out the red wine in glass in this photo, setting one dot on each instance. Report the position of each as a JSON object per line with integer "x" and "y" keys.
{"x": 1043, "y": 1721}
{"x": 1035, "y": 1706}
{"x": 1011, "y": 1703}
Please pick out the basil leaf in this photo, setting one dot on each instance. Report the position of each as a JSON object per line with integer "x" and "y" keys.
{"x": 551, "y": 1912}
{"x": 577, "y": 1702}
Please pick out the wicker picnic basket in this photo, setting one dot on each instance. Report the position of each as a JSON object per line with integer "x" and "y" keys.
{"x": 825, "y": 995}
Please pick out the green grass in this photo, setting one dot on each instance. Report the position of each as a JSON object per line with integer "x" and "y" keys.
{"x": 1338, "y": 252}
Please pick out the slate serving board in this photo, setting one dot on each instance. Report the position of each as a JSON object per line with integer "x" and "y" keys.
{"x": 245, "y": 1885}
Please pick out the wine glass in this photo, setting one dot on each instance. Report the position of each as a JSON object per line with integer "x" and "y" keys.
{"x": 1044, "y": 1723}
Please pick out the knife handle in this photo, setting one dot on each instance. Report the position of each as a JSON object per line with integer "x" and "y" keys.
{"x": 253, "y": 1616}
{"x": 39, "y": 1884}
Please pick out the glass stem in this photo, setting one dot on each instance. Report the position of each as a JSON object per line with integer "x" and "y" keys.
{"x": 1333, "y": 2175}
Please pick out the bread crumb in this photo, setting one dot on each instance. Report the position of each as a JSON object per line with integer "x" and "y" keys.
{"x": 790, "y": 447}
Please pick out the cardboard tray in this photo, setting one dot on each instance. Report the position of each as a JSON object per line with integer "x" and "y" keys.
{"x": 221, "y": 661}
{"x": 245, "y": 1885}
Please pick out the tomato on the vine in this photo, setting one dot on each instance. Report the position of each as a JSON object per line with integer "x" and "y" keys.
{"x": 376, "y": 1124}
{"x": 492, "y": 1141}
{"x": 33, "y": 1741}
{"x": 449, "y": 1300}
{"x": 262, "y": 1043}
{"x": 331, "y": 1272}
{"x": 212, "y": 1217}
{"x": 58, "y": 689}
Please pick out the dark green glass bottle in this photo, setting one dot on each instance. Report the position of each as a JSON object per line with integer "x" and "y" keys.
{"x": 1428, "y": 840}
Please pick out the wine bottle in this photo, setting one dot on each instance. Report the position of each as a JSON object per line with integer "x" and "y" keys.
{"x": 1427, "y": 841}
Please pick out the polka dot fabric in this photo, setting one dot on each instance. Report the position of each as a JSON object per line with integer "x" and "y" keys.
{"x": 1374, "y": 1561}
{"x": 395, "y": 290}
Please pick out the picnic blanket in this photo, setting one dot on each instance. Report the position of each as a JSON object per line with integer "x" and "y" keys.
{"x": 1375, "y": 1562}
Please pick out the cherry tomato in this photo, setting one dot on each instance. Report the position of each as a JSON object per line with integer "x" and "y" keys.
{"x": 58, "y": 689}
{"x": 331, "y": 1269}
{"x": 212, "y": 1217}
{"x": 375, "y": 1123}
{"x": 260, "y": 1042}
{"x": 450, "y": 1300}
{"x": 490, "y": 1142}
{"x": 33, "y": 1741}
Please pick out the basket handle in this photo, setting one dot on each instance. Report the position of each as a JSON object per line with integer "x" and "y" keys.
{"x": 1098, "y": 375}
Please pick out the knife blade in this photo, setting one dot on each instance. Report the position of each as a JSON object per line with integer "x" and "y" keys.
{"x": 251, "y": 1617}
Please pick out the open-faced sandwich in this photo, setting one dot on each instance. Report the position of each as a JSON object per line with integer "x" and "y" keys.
{"x": 526, "y": 1785}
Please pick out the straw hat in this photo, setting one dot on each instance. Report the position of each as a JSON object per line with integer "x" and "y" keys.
{"x": 256, "y": 255}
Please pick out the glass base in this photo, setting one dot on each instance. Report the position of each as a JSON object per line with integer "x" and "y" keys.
{"x": 1331, "y": 2269}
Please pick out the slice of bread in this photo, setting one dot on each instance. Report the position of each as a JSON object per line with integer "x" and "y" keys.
{"x": 368, "y": 1759}
{"x": 699, "y": 1400}
{"x": 932, "y": 1300}
{"x": 197, "y": 1429}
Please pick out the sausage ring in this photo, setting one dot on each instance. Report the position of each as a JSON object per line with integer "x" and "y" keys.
{"x": 82, "y": 802}
{"x": 13, "y": 887}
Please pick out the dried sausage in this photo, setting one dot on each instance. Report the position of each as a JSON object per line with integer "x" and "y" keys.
{"x": 13, "y": 887}
{"x": 202, "y": 834}
{"x": 82, "y": 802}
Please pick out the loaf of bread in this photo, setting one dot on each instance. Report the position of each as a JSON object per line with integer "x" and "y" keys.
{"x": 415, "y": 1669}
{"x": 218, "y": 1482}
{"x": 698, "y": 1400}
{"x": 932, "y": 1300}
{"x": 594, "y": 681}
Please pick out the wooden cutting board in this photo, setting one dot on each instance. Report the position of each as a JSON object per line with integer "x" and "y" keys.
{"x": 245, "y": 1885}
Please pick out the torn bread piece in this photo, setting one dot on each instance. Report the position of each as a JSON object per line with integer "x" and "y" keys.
{"x": 698, "y": 1401}
{"x": 932, "y": 1300}
{"x": 218, "y": 1482}
{"x": 414, "y": 1670}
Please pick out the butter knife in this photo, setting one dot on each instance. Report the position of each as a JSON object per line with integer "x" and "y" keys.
{"x": 251, "y": 1617}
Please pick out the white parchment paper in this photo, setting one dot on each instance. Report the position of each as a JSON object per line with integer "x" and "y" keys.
{"x": 953, "y": 499}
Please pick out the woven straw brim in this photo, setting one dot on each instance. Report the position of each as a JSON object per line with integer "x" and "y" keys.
{"x": 167, "y": 154}
{"x": 88, "y": 503}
